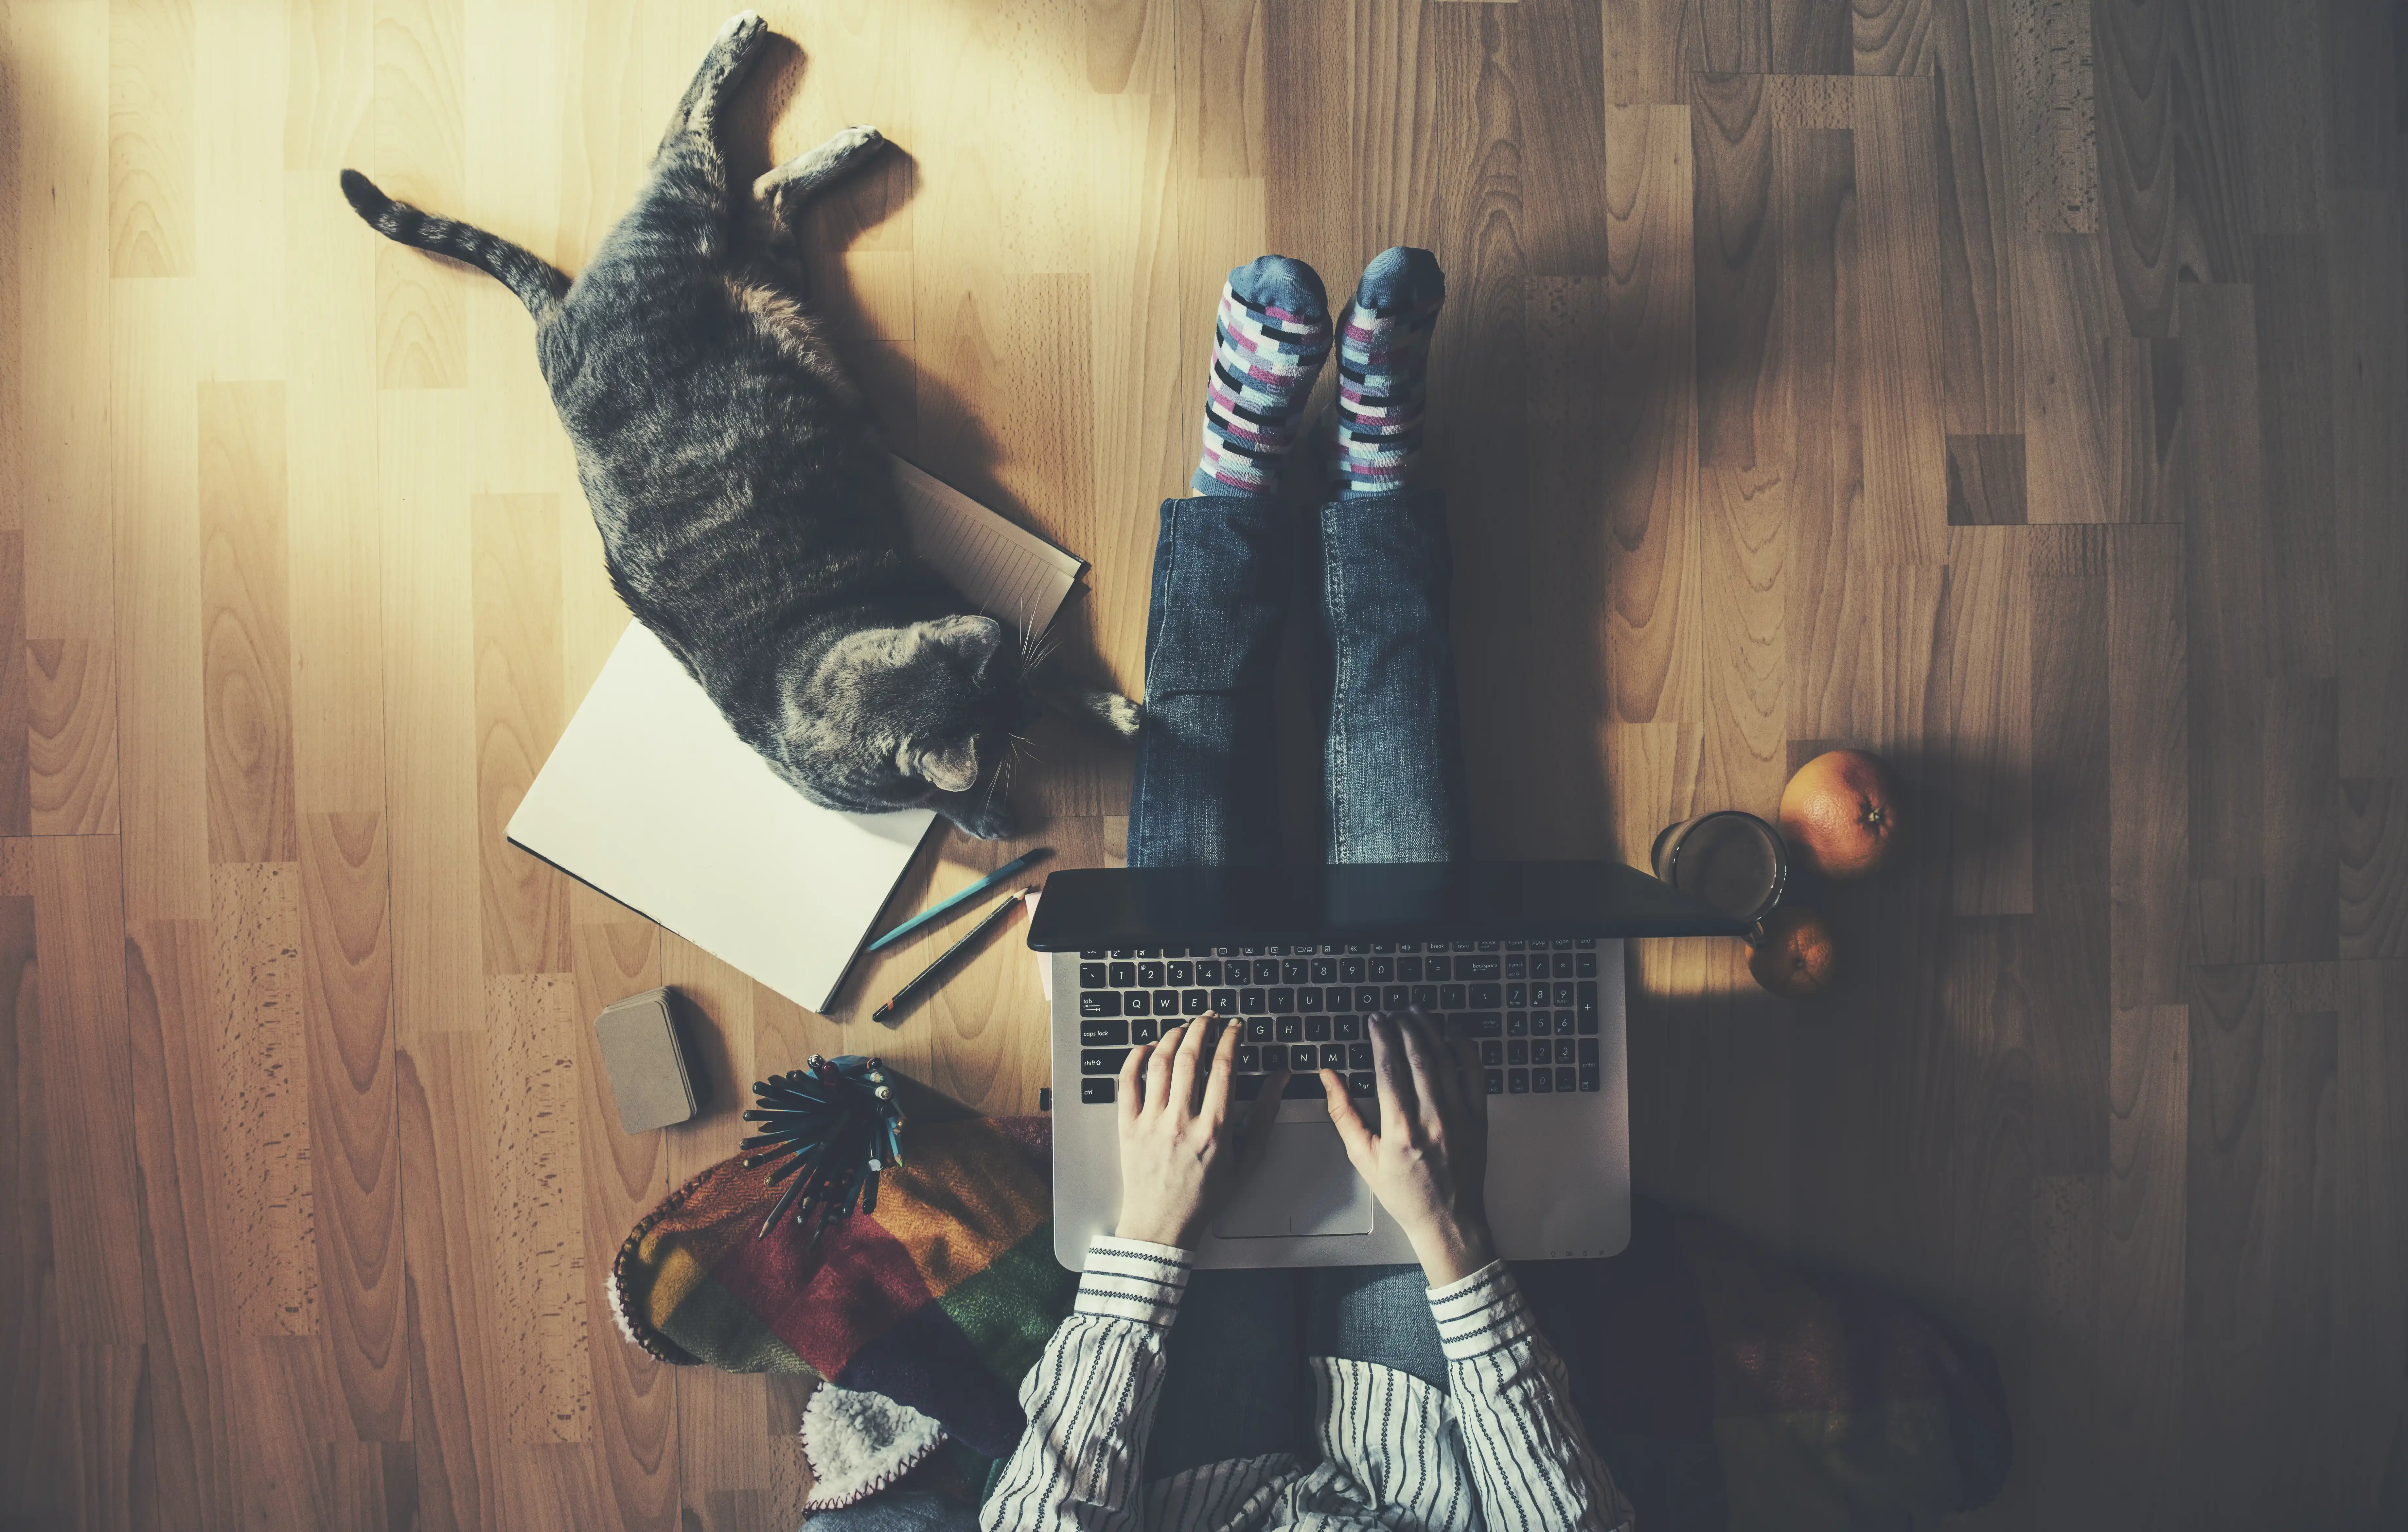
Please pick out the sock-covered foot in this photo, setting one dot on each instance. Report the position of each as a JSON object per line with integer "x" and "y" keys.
{"x": 1269, "y": 342}
{"x": 1382, "y": 350}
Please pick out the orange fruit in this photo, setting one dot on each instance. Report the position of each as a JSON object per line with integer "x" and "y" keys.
{"x": 1842, "y": 813}
{"x": 1794, "y": 955}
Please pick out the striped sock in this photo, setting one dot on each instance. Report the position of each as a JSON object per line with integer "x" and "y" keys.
{"x": 1382, "y": 350}
{"x": 1269, "y": 342}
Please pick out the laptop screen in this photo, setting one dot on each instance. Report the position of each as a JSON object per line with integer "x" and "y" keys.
{"x": 1407, "y": 901}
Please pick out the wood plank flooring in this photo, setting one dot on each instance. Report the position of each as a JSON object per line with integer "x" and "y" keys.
{"x": 2015, "y": 387}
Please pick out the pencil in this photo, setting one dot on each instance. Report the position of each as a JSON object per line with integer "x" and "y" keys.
{"x": 1000, "y": 875}
{"x": 929, "y": 975}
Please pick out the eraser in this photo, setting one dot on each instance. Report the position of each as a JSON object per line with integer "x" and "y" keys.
{"x": 649, "y": 1079}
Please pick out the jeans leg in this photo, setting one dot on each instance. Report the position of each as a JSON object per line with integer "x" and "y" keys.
{"x": 1233, "y": 1381}
{"x": 1374, "y": 1313}
{"x": 1392, "y": 764}
{"x": 1206, "y": 787}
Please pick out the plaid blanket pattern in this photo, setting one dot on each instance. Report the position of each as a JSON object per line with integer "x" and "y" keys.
{"x": 1728, "y": 1389}
{"x": 941, "y": 1300}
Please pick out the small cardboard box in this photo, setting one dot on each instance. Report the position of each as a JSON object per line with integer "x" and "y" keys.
{"x": 649, "y": 1079}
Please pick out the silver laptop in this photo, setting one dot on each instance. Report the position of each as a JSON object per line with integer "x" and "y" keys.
{"x": 1524, "y": 960}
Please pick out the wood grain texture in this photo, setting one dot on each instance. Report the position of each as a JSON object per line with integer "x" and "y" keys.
{"x": 421, "y": 323}
{"x": 355, "y": 1171}
{"x": 85, "y": 1075}
{"x": 2142, "y": 1312}
{"x": 267, "y": 1199}
{"x": 2149, "y": 753}
{"x": 2072, "y": 851}
{"x": 1979, "y": 220}
{"x": 2098, "y": 405}
{"x": 2226, "y": 626}
{"x": 334, "y": 528}
{"x": 429, "y": 750}
{"x": 1650, "y": 414}
{"x": 30, "y": 1388}
{"x": 1985, "y": 481}
{"x": 59, "y": 106}
{"x": 516, "y": 545}
{"x": 2053, "y": 103}
{"x": 151, "y": 190}
{"x": 16, "y": 724}
{"x": 2373, "y": 834}
{"x": 1900, "y": 320}
{"x": 634, "y": 1406}
{"x": 2262, "y": 1093}
{"x": 2012, "y": 389}
{"x": 1981, "y": 735}
{"x": 1646, "y": 52}
{"x": 192, "y": 1448}
{"x": 154, "y": 448}
{"x": 2213, "y": 215}
{"x": 536, "y": 1200}
{"x": 238, "y": 173}
{"x": 2366, "y": 248}
{"x": 2135, "y": 71}
{"x": 2361, "y": 95}
{"x": 1749, "y": 426}
{"x": 246, "y": 646}
{"x": 2294, "y": 326}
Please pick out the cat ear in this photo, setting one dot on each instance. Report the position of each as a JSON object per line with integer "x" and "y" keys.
{"x": 952, "y": 768}
{"x": 976, "y": 638}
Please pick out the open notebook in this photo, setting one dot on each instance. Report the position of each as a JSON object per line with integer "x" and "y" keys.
{"x": 651, "y": 798}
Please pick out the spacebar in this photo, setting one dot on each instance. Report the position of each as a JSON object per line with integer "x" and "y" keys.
{"x": 1303, "y": 1087}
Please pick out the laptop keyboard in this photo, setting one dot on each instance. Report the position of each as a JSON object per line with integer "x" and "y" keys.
{"x": 1531, "y": 1006}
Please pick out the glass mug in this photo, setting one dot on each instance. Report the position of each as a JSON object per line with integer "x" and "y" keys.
{"x": 1733, "y": 861}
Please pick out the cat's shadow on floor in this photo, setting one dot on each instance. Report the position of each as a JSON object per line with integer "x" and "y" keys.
{"x": 858, "y": 246}
{"x": 861, "y": 272}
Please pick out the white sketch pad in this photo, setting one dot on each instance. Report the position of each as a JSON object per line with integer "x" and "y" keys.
{"x": 651, "y": 798}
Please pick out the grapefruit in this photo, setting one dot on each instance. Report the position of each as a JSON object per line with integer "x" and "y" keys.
{"x": 1795, "y": 954}
{"x": 1842, "y": 813}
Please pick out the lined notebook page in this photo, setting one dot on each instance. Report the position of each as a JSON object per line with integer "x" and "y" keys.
{"x": 1010, "y": 574}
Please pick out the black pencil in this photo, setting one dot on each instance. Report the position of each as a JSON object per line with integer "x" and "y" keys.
{"x": 928, "y": 975}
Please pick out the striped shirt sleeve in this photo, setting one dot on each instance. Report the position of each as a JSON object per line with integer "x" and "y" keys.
{"x": 1529, "y": 1457}
{"x": 1090, "y": 1399}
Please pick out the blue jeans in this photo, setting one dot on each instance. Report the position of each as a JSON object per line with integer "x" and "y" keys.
{"x": 1225, "y": 576}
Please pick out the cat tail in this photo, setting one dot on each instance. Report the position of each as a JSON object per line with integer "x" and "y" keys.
{"x": 538, "y": 283}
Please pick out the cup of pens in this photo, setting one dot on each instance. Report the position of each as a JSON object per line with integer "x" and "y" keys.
{"x": 828, "y": 1129}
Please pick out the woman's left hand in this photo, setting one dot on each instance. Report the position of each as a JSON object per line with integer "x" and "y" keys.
{"x": 1181, "y": 1156}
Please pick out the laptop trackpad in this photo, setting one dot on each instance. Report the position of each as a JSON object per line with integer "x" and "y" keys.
{"x": 1302, "y": 1186}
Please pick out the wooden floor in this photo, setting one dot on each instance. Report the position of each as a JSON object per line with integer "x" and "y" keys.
{"x": 2015, "y": 388}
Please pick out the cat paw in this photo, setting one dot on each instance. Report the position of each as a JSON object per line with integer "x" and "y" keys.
{"x": 739, "y": 36}
{"x": 1117, "y": 713}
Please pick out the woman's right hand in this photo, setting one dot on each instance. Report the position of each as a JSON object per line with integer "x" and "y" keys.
{"x": 1428, "y": 1162}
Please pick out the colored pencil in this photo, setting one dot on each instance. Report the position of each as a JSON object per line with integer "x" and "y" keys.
{"x": 999, "y": 875}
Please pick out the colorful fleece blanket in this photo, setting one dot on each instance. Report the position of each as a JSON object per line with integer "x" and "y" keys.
{"x": 1728, "y": 1389}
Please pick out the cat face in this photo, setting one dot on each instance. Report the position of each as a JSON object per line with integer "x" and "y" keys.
{"x": 891, "y": 716}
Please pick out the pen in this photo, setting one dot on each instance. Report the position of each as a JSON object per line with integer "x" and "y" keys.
{"x": 928, "y": 975}
{"x": 1001, "y": 874}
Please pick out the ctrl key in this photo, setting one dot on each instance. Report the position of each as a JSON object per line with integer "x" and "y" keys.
{"x": 1096, "y": 1091}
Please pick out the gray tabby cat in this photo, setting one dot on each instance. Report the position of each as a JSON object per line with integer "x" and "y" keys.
{"x": 748, "y": 510}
